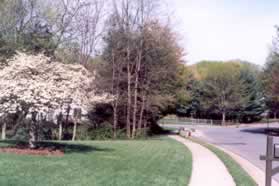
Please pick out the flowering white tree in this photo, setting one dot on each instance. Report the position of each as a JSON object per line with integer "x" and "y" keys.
{"x": 44, "y": 85}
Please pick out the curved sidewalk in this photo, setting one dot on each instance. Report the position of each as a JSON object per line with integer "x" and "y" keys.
{"x": 255, "y": 172}
{"x": 207, "y": 168}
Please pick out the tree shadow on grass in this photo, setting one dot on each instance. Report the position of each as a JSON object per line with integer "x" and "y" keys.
{"x": 68, "y": 148}
{"x": 266, "y": 131}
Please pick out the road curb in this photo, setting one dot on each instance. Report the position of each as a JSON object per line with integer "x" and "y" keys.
{"x": 208, "y": 169}
{"x": 255, "y": 172}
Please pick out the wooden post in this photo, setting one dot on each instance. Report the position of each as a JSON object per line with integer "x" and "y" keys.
{"x": 269, "y": 154}
{"x": 272, "y": 152}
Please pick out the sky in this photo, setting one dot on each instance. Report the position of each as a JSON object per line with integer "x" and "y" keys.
{"x": 225, "y": 29}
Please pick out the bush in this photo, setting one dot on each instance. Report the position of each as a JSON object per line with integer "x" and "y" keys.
{"x": 104, "y": 132}
{"x": 21, "y": 135}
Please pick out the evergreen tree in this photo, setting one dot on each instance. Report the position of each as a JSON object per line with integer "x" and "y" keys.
{"x": 223, "y": 90}
{"x": 255, "y": 104}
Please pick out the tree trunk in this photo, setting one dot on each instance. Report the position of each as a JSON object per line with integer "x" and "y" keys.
{"x": 32, "y": 136}
{"x": 128, "y": 125}
{"x": 115, "y": 113}
{"x": 138, "y": 67}
{"x": 60, "y": 131}
{"x": 115, "y": 121}
{"x": 18, "y": 121}
{"x": 4, "y": 126}
{"x": 135, "y": 112}
{"x": 115, "y": 90}
{"x": 223, "y": 118}
{"x": 32, "y": 130}
{"x": 145, "y": 127}
{"x": 67, "y": 115}
{"x": 141, "y": 115}
{"x": 74, "y": 131}
{"x": 135, "y": 107}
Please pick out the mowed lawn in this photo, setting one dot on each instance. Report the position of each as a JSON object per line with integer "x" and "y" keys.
{"x": 159, "y": 161}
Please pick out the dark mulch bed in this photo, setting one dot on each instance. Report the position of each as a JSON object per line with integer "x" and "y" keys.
{"x": 28, "y": 151}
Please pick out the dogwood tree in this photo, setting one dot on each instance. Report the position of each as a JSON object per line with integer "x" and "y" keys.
{"x": 44, "y": 86}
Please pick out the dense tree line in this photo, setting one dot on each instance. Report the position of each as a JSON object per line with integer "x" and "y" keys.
{"x": 136, "y": 65}
{"x": 141, "y": 64}
{"x": 232, "y": 90}
{"x": 270, "y": 77}
{"x": 134, "y": 60}
{"x": 224, "y": 90}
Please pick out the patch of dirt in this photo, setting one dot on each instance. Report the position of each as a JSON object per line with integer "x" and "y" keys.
{"x": 27, "y": 151}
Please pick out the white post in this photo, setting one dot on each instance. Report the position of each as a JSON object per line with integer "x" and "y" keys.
{"x": 60, "y": 131}
{"x": 74, "y": 130}
{"x": 4, "y": 126}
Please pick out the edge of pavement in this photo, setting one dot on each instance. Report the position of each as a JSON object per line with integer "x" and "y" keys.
{"x": 255, "y": 172}
{"x": 207, "y": 167}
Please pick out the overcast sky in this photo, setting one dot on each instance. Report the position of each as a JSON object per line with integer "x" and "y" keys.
{"x": 226, "y": 29}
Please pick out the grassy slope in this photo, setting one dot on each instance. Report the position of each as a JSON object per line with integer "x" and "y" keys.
{"x": 103, "y": 163}
{"x": 239, "y": 175}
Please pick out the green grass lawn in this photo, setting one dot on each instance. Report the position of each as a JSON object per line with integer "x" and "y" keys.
{"x": 159, "y": 161}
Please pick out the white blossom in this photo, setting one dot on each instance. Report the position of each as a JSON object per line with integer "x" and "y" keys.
{"x": 45, "y": 85}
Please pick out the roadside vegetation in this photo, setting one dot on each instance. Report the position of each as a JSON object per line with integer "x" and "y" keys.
{"x": 85, "y": 70}
{"x": 220, "y": 90}
{"x": 130, "y": 72}
{"x": 232, "y": 90}
{"x": 110, "y": 70}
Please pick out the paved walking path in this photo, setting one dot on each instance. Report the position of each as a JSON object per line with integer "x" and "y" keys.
{"x": 207, "y": 168}
{"x": 256, "y": 173}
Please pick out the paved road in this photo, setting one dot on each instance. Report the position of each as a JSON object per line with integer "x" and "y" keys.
{"x": 248, "y": 142}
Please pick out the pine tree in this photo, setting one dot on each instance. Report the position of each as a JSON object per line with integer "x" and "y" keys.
{"x": 255, "y": 104}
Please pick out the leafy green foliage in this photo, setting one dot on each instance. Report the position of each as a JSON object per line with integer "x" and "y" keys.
{"x": 102, "y": 132}
{"x": 26, "y": 26}
{"x": 188, "y": 96}
{"x": 255, "y": 104}
{"x": 230, "y": 88}
{"x": 39, "y": 39}
{"x": 222, "y": 89}
{"x": 152, "y": 74}
{"x": 270, "y": 77}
